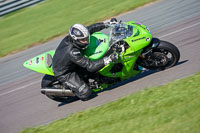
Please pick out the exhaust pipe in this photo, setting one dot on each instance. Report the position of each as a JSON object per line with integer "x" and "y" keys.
{"x": 56, "y": 92}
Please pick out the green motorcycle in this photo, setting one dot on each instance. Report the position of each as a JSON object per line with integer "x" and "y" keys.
{"x": 137, "y": 50}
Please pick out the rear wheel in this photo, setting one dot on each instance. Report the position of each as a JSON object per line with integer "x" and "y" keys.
{"x": 164, "y": 56}
{"x": 51, "y": 82}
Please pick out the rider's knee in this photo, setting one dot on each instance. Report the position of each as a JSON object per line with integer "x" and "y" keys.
{"x": 85, "y": 93}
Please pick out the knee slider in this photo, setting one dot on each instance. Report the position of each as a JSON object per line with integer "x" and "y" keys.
{"x": 85, "y": 93}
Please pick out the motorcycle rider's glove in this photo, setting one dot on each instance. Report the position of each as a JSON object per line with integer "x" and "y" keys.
{"x": 108, "y": 23}
{"x": 111, "y": 58}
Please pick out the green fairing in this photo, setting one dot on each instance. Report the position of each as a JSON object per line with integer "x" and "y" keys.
{"x": 40, "y": 63}
{"x": 140, "y": 38}
{"x": 99, "y": 44}
{"x": 137, "y": 41}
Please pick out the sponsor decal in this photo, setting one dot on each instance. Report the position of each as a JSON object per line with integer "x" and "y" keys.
{"x": 148, "y": 39}
{"x": 148, "y": 29}
{"x": 138, "y": 39}
{"x": 30, "y": 62}
{"x": 99, "y": 42}
{"x": 37, "y": 60}
{"x": 42, "y": 58}
{"x": 129, "y": 57}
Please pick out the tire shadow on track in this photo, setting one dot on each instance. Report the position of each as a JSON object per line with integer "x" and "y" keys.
{"x": 137, "y": 77}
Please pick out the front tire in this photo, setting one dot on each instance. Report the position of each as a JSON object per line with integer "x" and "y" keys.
{"x": 164, "y": 56}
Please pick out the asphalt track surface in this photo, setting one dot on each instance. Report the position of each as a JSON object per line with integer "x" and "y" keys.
{"x": 22, "y": 105}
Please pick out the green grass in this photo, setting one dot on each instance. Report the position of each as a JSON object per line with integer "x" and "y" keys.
{"x": 171, "y": 108}
{"x": 27, "y": 27}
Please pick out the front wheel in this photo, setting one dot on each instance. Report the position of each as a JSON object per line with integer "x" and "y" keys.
{"x": 164, "y": 56}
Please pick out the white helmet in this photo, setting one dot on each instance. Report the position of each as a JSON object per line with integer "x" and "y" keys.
{"x": 80, "y": 34}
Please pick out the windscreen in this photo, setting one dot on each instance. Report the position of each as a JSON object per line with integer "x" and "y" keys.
{"x": 120, "y": 31}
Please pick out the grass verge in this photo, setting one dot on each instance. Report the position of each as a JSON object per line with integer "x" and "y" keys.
{"x": 171, "y": 108}
{"x": 24, "y": 28}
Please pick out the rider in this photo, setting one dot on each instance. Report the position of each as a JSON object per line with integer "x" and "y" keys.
{"x": 68, "y": 58}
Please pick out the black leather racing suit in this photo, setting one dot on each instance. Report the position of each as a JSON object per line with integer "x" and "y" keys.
{"x": 68, "y": 59}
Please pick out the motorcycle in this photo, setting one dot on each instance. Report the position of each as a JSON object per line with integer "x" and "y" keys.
{"x": 134, "y": 44}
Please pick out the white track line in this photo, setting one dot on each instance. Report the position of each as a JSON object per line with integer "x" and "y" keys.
{"x": 159, "y": 37}
{"x": 22, "y": 87}
{"x": 179, "y": 30}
